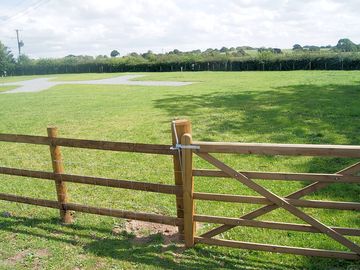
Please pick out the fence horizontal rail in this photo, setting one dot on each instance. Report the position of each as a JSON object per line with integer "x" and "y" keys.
{"x": 262, "y": 200}
{"x": 90, "y": 144}
{"x": 98, "y": 181}
{"x": 349, "y": 151}
{"x": 94, "y": 210}
{"x": 278, "y": 249}
{"x": 162, "y": 219}
{"x": 270, "y": 225}
{"x": 28, "y": 200}
{"x": 314, "y": 177}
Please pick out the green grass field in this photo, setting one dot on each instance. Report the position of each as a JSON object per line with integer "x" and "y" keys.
{"x": 320, "y": 107}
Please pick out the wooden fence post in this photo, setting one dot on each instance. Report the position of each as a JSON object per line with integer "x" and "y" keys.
{"x": 179, "y": 128}
{"x": 58, "y": 168}
{"x": 188, "y": 191}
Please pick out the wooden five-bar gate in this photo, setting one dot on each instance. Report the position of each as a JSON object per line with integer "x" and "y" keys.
{"x": 182, "y": 150}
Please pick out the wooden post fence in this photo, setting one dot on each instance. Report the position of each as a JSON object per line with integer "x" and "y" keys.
{"x": 58, "y": 168}
{"x": 182, "y": 151}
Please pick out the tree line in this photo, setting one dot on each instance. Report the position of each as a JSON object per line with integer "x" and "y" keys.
{"x": 344, "y": 56}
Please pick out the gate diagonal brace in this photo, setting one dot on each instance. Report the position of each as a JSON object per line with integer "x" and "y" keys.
{"x": 281, "y": 203}
{"x": 295, "y": 195}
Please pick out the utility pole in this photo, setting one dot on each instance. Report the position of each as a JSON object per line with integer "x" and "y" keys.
{"x": 19, "y": 42}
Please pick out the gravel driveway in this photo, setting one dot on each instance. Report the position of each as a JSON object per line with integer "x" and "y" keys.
{"x": 41, "y": 84}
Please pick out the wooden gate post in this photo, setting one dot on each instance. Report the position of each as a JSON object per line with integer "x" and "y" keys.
{"x": 179, "y": 128}
{"x": 58, "y": 168}
{"x": 188, "y": 191}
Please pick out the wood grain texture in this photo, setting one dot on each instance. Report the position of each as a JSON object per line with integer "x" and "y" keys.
{"x": 279, "y": 249}
{"x": 271, "y": 225}
{"x": 155, "y": 218}
{"x": 281, "y": 202}
{"x": 98, "y": 181}
{"x": 188, "y": 191}
{"x": 314, "y": 177}
{"x": 351, "y": 170}
{"x": 58, "y": 168}
{"x": 160, "y": 149}
{"x": 280, "y": 149}
{"x": 178, "y": 129}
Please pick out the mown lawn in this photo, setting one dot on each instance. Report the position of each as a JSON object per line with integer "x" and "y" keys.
{"x": 321, "y": 107}
{"x": 4, "y": 88}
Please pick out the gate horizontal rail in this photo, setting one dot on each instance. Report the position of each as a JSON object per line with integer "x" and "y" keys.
{"x": 313, "y": 177}
{"x": 278, "y": 249}
{"x": 262, "y": 200}
{"x": 270, "y": 224}
{"x": 349, "y": 151}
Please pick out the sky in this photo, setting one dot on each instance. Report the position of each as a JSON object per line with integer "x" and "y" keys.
{"x": 56, "y": 28}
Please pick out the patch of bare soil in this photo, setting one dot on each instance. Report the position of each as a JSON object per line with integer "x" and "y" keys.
{"x": 145, "y": 232}
{"x": 41, "y": 253}
{"x": 20, "y": 257}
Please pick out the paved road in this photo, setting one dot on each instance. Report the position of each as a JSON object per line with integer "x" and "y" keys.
{"x": 41, "y": 84}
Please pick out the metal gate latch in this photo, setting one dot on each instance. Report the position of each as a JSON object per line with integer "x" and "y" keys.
{"x": 179, "y": 146}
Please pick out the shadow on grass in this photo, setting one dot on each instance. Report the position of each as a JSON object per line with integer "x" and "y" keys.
{"x": 172, "y": 258}
{"x": 311, "y": 114}
{"x": 152, "y": 253}
{"x": 298, "y": 113}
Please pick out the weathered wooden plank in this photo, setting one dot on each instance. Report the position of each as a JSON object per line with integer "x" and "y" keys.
{"x": 230, "y": 198}
{"x": 24, "y": 139}
{"x": 242, "y": 148}
{"x": 116, "y": 146}
{"x": 271, "y": 225}
{"x": 178, "y": 129}
{"x": 188, "y": 190}
{"x": 155, "y": 218}
{"x": 126, "y": 184}
{"x": 279, "y": 249}
{"x": 315, "y": 177}
{"x": 99, "y": 181}
{"x": 28, "y": 200}
{"x": 27, "y": 173}
{"x": 350, "y": 151}
{"x": 90, "y": 144}
{"x": 58, "y": 169}
{"x": 261, "y": 200}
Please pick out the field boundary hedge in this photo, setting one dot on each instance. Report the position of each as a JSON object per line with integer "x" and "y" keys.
{"x": 342, "y": 61}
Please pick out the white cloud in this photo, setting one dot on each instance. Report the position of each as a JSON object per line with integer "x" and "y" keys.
{"x": 53, "y": 28}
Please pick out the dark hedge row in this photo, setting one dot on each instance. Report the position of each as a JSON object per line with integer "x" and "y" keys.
{"x": 335, "y": 62}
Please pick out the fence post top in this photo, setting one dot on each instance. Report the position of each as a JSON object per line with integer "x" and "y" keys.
{"x": 186, "y": 136}
{"x": 52, "y": 131}
{"x": 180, "y": 122}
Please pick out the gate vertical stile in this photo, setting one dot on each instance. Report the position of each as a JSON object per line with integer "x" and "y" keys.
{"x": 178, "y": 129}
{"x": 188, "y": 190}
